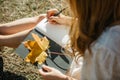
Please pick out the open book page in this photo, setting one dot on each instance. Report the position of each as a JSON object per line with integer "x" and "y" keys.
{"x": 56, "y": 32}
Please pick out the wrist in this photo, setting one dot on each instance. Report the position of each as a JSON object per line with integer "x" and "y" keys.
{"x": 66, "y": 77}
{"x": 68, "y": 20}
{"x": 69, "y": 78}
{"x": 40, "y": 17}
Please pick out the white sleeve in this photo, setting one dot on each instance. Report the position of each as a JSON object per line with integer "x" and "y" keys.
{"x": 104, "y": 62}
{"x": 75, "y": 68}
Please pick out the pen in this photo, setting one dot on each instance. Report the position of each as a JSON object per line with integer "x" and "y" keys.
{"x": 56, "y": 14}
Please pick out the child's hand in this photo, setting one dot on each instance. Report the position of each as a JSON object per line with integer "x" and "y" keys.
{"x": 49, "y": 73}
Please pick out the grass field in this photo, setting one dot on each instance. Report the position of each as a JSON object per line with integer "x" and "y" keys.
{"x": 14, "y": 68}
{"x": 15, "y": 9}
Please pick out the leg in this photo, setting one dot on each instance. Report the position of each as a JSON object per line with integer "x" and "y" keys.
{"x": 1, "y": 68}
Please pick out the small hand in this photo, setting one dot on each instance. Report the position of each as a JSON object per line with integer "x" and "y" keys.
{"x": 49, "y": 73}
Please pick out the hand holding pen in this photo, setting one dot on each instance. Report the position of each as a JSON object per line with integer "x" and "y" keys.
{"x": 54, "y": 14}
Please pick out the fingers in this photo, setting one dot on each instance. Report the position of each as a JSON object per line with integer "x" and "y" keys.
{"x": 53, "y": 20}
{"x": 60, "y": 19}
{"x": 51, "y": 12}
{"x": 42, "y": 72}
{"x": 46, "y": 68}
{"x": 52, "y": 74}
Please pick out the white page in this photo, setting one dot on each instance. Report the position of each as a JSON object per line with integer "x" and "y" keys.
{"x": 56, "y": 32}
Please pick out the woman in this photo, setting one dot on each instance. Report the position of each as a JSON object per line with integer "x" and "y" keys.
{"x": 94, "y": 36}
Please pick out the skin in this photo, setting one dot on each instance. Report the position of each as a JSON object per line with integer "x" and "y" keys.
{"x": 13, "y": 40}
{"x": 50, "y": 73}
{"x": 60, "y": 19}
{"x": 13, "y": 33}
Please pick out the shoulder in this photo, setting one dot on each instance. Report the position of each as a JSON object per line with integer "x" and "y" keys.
{"x": 110, "y": 39}
{"x": 105, "y": 57}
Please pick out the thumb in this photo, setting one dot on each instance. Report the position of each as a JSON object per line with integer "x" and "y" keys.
{"x": 46, "y": 68}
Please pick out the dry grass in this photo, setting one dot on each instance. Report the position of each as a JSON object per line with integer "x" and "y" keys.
{"x": 15, "y": 9}
{"x": 14, "y": 66}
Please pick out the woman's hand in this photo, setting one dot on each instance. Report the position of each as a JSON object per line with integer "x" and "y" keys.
{"x": 60, "y": 19}
{"x": 49, "y": 73}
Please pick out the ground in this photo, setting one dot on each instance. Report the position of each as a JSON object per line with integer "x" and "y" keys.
{"x": 13, "y": 66}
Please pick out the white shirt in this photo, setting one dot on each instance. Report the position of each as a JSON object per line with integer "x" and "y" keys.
{"x": 104, "y": 63}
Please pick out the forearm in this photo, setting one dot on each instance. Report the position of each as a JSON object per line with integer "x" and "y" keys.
{"x": 13, "y": 40}
{"x": 19, "y": 25}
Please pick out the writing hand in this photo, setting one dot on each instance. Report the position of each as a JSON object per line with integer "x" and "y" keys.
{"x": 60, "y": 19}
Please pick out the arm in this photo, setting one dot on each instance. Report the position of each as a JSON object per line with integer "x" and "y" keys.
{"x": 13, "y": 40}
{"x": 20, "y": 25}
